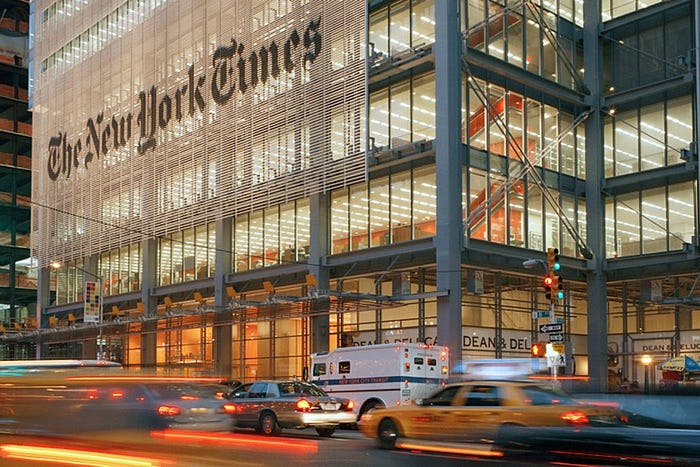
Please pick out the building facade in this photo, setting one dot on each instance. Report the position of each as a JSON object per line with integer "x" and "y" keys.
{"x": 17, "y": 279}
{"x": 229, "y": 187}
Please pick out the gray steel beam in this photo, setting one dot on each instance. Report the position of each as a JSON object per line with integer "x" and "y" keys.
{"x": 636, "y": 16}
{"x": 633, "y": 96}
{"x": 525, "y": 78}
{"x": 644, "y": 267}
{"x": 662, "y": 176}
{"x": 448, "y": 164}
{"x": 596, "y": 281}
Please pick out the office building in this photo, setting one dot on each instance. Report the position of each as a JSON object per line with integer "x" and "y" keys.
{"x": 228, "y": 186}
{"x": 17, "y": 278}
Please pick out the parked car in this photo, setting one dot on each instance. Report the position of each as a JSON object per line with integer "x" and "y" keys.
{"x": 477, "y": 411}
{"x": 270, "y": 406}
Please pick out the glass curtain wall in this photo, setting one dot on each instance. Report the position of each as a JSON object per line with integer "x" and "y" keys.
{"x": 187, "y": 255}
{"x": 402, "y": 208}
{"x": 275, "y": 235}
{"x": 650, "y": 221}
{"x": 521, "y": 35}
{"x": 118, "y": 268}
{"x": 648, "y": 137}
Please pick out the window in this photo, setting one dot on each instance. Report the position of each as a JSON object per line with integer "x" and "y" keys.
{"x": 443, "y": 397}
{"x": 258, "y": 390}
{"x": 319, "y": 369}
{"x": 343, "y": 367}
{"x": 483, "y": 396}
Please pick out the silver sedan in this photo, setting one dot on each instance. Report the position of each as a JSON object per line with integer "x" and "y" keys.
{"x": 270, "y": 406}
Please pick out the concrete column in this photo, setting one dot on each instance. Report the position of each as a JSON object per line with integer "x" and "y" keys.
{"x": 319, "y": 211}
{"x": 43, "y": 300}
{"x": 448, "y": 161}
{"x": 223, "y": 334}
{"x": 149, "y": 271}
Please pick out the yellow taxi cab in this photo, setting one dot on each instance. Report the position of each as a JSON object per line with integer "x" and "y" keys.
{"x": 475, "y": 411}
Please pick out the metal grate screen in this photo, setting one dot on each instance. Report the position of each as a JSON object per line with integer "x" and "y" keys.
{"x": 153, "y": 116}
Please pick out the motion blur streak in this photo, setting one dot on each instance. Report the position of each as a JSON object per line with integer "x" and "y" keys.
{"x": 627, "y": 458}
{"x": 558, "y": 378}
{"x": 448, "y": 449}
{"x": 175, "y": 379}
{"x": 237, "y": 440}
{"x": 74, "y": 456}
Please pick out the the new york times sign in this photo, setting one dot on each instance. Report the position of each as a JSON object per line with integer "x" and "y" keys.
{"x": 233, "y": 70}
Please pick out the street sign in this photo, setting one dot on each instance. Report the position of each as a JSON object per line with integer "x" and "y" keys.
{"x": 556, "y": 360}
{"x": 556, "y": 337}
{"x": 540, "y": 314}
{"x": 557, "y": 348}
{"x": 553, "y": 327}
{"x": 559, "y": 320}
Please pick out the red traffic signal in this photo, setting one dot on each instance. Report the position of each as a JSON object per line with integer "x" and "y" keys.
{"x": 537, "y": 349}
{"x": 548, "y": 283}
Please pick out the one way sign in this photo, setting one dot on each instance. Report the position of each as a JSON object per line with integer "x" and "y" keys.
{"x": 554, "y": 327}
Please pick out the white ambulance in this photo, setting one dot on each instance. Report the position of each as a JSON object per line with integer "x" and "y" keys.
{"x": 381, "y": 375}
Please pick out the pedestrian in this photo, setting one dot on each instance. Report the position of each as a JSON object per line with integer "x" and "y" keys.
{"x": 625, "y": 386}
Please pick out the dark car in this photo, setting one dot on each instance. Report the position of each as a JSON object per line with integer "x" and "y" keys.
{"x": 270, "y": 406}
{"x": 93, "y": 404}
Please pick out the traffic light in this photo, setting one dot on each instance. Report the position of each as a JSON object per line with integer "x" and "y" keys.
{"x": 553, "y": 260}
{"x": 548, "y": 282}
{"x": 558, "y": 287}
{"x": 537, "y": 349}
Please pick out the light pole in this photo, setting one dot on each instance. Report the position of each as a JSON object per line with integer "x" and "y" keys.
{"x": 646, "y": 361}
{"x": 92, "y": 303}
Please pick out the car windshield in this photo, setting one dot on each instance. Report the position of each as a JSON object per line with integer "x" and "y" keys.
{"x": 293, "y": 387}
{"x": 542, "y": 395}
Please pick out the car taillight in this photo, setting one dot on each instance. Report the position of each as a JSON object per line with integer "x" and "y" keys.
{"x": 303, "y": 405}
{"x": 349, "y": 406}
{"x": 575, "y": 417}
{"x": 229, "y": 408}
{"x": 168, "y": 410}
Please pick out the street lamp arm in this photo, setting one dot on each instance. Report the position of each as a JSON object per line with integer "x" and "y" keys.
{"x": 531, "y": 263}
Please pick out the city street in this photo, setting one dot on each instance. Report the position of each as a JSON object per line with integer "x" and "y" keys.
{"x": 243, "y": 448}
{"x": 302, "y": 447}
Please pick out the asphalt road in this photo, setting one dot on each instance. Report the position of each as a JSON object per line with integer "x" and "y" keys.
{"x": 301, "y": 448}
{"x": 242, "y": 448}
